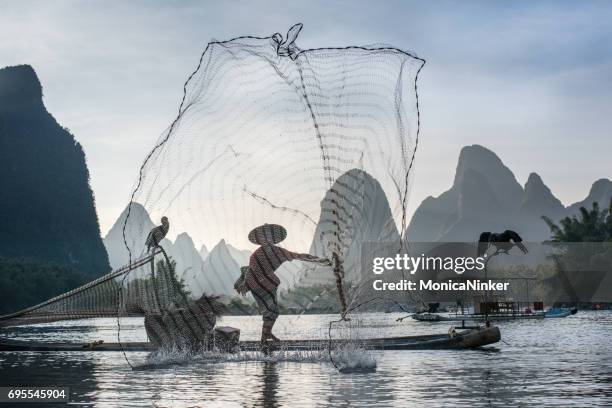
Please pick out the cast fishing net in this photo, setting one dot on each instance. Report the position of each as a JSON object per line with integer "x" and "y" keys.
{"x": 291, "y": 166}
{"x": 320, "y": 142}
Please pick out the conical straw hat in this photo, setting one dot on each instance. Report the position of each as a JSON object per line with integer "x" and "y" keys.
{"x": 268, "y": 234}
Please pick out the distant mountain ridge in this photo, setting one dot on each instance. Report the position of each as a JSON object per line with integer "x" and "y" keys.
{"x": 365, "y": 216}
{"x": 47, "y": 208}
{"x": 485, "y": 196}
{"x": 212, "y": 272}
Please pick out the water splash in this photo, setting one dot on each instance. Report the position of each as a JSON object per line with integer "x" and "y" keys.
{"x": 352, "y": 358}
{"x": 174, "y": 356}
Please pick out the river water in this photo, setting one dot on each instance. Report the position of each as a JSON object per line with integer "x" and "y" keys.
{"x": 550, "y": 362}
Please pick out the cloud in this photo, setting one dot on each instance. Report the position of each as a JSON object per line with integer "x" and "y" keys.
{"x": 526, "y": 79}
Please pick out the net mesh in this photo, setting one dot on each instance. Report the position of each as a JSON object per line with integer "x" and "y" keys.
{"x": 97, "y": 298}
{"x": 320, "y": 142}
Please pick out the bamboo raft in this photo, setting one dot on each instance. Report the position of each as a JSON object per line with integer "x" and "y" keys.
{"x": 464, "y": 339}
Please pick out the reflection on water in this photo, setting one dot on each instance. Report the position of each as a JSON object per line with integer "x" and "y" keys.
{"x": 267, "y": 392}
{"x": 551, "y": 362}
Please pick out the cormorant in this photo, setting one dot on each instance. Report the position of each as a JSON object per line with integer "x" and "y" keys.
{"x": 157, "y": 234}
{"x": 503, "y": 242}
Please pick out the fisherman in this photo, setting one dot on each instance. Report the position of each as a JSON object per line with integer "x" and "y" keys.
{"x": 259, "y": 277}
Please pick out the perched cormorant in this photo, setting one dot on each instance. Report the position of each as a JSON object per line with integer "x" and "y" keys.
{"x": 157, "y": 234}
{"x": 503, "y": 242}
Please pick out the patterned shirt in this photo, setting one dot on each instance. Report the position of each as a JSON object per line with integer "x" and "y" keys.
{"x": 263, "y": 262}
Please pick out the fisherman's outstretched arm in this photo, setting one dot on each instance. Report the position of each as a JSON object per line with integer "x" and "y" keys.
{"x": 306, "y": 257}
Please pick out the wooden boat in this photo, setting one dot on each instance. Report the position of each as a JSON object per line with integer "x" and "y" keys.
{"x": 557, "y": 313}
{"x": 463, "y": 339}
{"x": 434, "y": 317}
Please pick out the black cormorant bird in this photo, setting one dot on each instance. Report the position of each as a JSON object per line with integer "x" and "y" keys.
{"x": 503, "y": 242}
{"x": 157, "y": 234}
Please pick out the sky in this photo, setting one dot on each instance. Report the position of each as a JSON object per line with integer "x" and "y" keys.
{"x": 529, "y": 80}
